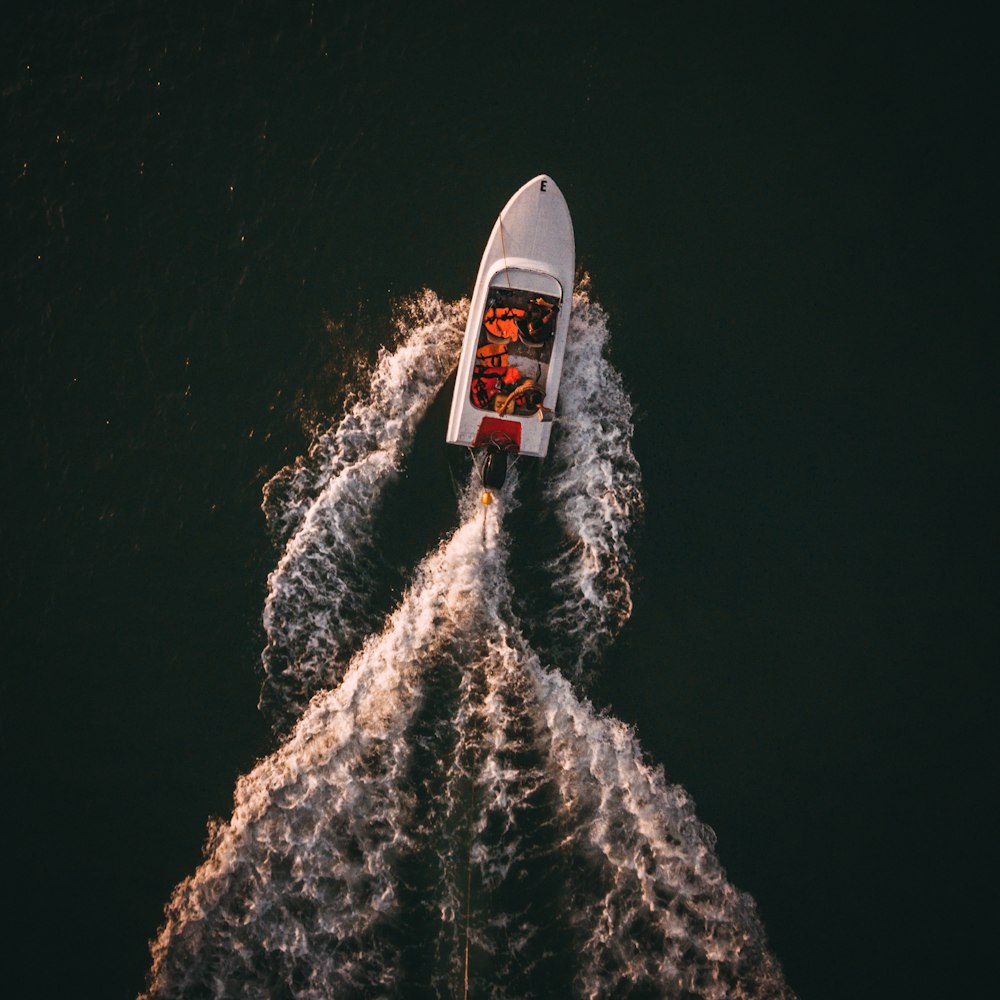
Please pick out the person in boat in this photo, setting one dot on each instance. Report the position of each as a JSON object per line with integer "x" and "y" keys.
{"x": 539, "y": 322}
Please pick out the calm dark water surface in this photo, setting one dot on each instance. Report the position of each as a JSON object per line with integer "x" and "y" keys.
{"x": 209, "y": 220}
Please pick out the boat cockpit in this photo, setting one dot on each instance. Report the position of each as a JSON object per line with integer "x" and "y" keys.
{"x": 516, "y": 337}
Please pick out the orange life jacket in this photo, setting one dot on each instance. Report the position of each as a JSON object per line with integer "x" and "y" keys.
{"x": 487, "y": 381}
{"x": 501, "y": 321}
{"x": 540, "y": 315}
{"x": 492, "y": 354}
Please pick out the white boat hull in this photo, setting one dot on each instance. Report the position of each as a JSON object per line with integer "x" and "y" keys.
{"x": 531, "y": 251}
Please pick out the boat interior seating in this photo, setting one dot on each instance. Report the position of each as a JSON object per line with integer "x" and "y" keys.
{"x": 515, "y": 344}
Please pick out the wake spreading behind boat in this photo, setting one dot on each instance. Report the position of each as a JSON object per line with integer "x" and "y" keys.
{"x": 515, "y": 340}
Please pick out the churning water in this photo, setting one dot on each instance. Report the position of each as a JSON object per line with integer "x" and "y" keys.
{"x": 448, "y": 814}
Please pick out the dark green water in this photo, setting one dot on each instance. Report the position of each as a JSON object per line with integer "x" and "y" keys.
{"x": 209, "y": 216}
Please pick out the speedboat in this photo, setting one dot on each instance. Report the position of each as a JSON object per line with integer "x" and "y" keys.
{"x": 515, "y": 339}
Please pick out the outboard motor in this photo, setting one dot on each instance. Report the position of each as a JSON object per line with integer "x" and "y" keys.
{"x": 494, "y": 469}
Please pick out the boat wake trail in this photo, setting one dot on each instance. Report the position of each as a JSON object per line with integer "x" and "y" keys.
{"x": 323, "y": 507}
{"x": 595, "y": 493}
{"x": 447, "y": 816}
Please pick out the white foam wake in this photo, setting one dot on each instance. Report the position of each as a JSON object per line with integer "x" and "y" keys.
{"x": 448, "y": 807}
{"x": 661, "y": 917}
{"x": 298, "y": 891}
{"x": 507, "y": 926}
{"x": 594, "y": 488}
{"x": 316, "y": 613}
